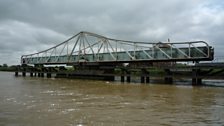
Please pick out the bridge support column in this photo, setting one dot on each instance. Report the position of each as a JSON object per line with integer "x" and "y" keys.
{"x": 42, "y": 74}
{"x": 24, "y": 74}
{"x": 168, "y": 77}
{"x": 195, "y": 79}
{"x": 38, "y": 70}
{"x": 16, "y": 73}
{"x": 48, "y": 75}
{"x": 122, "y": 75}
{"x": 145, "y": 76}
{"x": 38, "y": 74}
{"x": 147, "y": 79}
{"x": 24, "y": 71}
{"x": 31, "y": 74}
{"x": 142, "y": 79}
{"x": 49, "y": 72}
{"x": 122, "y": 78}
{"x": 128, "y": 76}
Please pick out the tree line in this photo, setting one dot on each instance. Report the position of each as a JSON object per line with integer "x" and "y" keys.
{"x": 5, "y": 67}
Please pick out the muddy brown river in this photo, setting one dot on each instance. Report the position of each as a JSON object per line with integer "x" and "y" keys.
{"x": 26, "y": 101}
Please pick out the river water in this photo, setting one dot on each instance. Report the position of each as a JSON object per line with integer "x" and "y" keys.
{"x": 26, "y": 101}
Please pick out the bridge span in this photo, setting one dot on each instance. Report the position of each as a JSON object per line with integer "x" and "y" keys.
{"x": 93, "y": 48}
{"x": 95, "y": 56}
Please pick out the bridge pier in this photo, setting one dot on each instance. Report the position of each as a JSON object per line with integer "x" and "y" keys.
{"x": 122, "y": 75}
{"x": 128, "y": 76}
{"x": 31, "y": 74}
{"x": 147, "y": 79}
{"x": 38, "y": 74}
{"x": 195, "y": 79}
{"x": 145, "y": 76}
{"x": 48, "y": 75}
{"x": 168, "y": 76}
{"x": 49, "y": 72}
{"x": 24, "y": 74}
{"x": 122, "y": 78}
{"x": 142, "y": 79}
{"x": 24, "y": 70}
{"x": 125, "y": 74}
{"x": 16, "y": 73}
{"x": 42, "y": 74}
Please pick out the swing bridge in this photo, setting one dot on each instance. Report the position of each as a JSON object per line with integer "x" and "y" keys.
{"x": 86, "y": 47}
{"x": 95, "y": 56}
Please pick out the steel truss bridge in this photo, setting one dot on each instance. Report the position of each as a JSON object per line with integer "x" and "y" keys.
{"x": 93, "y": 48}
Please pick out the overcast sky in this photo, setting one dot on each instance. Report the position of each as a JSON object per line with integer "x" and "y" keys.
{"x": 28, "y": 26}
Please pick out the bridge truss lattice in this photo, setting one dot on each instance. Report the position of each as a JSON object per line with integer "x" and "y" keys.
{"x": 91, "y": 47}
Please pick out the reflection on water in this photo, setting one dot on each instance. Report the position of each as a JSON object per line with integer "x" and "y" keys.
{"x": 57, "y": 102}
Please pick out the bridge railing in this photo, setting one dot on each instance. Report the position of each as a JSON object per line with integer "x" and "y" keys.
{"x": 90, "y": 47}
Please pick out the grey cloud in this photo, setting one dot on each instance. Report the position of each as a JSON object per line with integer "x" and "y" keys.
{"x": 33, "y": 25}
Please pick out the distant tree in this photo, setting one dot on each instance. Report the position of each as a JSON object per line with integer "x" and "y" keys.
{"x": 5, "y": 65}
{"x": 0, "y": 65}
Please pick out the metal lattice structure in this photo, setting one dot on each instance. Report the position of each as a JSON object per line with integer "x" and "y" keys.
{"x": 91, "y": 47}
